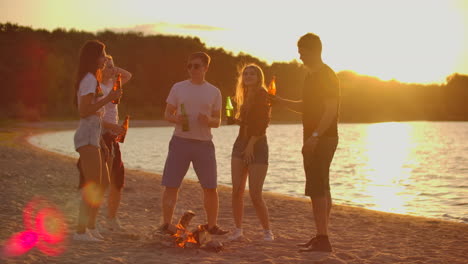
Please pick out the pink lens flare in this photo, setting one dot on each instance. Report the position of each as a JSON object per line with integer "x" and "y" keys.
{"x": 45, "y": 227}
{"x": 51, "y": 225}
{"x": 20, "y": 243}
{"x": 51, "y": 249}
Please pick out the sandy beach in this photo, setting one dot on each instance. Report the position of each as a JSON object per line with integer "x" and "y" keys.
{"x": 358, "y": 235}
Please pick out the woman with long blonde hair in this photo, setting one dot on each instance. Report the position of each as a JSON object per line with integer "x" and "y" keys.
{"x": 250, "y": 151}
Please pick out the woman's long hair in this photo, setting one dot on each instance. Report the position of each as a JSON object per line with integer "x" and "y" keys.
{"x": 242, "y": 91}
{"x": 89, "y": 55}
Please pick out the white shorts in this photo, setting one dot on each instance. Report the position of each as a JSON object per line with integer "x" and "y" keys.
{"x": 88, "y": 132}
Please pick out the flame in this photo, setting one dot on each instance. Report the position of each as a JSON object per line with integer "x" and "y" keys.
{"x": 183, "y": 236}
{"x": 272, "y": 86}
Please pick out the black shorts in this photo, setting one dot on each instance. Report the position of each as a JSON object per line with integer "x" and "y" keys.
{"x": 260, "y": 149}
{"x": 117, "y": 172}
{"x": 317, "y": 167}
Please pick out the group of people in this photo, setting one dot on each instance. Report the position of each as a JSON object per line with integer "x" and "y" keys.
{"x": 194, "y": 106}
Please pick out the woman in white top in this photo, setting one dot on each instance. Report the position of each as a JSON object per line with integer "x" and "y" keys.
{"x": 88, "y": 134}
{"x": 111, "y": 129}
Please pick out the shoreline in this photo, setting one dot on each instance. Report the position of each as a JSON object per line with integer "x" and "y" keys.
{"x": 59, "y": 126}
{"x": 359, "y": 235}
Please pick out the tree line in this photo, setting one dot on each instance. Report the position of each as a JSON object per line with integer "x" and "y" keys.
{"x": 37, "y": 72}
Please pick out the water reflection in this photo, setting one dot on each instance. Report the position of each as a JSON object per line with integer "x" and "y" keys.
{"x": 388, "y": 148}
{"x": 417, "y": 168}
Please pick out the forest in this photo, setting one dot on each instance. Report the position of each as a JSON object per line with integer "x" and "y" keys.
{"x": 38, "y": 67}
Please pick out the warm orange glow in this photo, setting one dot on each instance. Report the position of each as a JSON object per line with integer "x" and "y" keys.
{"x": 183, "y": 236}
{"x": 92, "y": 194}
{"x": 272, "y": 86}
{"x": 386, "y": 39}
{"x": 389, "y": 148}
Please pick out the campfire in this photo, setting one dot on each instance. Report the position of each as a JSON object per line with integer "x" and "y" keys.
{"x": 180, "y": 236}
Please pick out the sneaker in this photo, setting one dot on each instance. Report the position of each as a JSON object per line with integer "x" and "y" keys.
{"x": 238, "y": 234}
{"x": 308, "y": 243}
{"x": 95, "y": 233}
{"x": 268, "y": 235}
{"x": 320, "y": 244}
{"x": 85, "y": 237}
{"x": 215, "y": 230}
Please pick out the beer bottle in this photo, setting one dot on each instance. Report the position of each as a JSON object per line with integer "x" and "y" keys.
{"x": 117, "y": 85}
{"x": 229, "y": 111}
{"x": 272, "y": 86}
{"x": 121, "y": 138}
{"x": 185, "y": 123}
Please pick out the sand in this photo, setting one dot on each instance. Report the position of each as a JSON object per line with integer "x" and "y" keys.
{"x": 358, "y": 235}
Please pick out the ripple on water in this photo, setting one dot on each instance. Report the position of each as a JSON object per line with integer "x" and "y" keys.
{"x": 418, "y": 176}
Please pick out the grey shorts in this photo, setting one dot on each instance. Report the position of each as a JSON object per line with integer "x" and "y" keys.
{"x": 317, "y": 167}
{"x": 88, "y": 132}
{"x": 182, "y": 152}
{"x": 260, "y": 149}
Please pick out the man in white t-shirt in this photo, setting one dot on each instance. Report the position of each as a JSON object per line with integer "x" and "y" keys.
{"x": 192, "y": 139}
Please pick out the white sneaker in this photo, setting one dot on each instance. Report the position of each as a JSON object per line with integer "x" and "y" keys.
{"x": 95, "y": 233}
{"x": 268, "y": 235}
{"x": 85, "y": 237}
{"x": 238, "y": 234}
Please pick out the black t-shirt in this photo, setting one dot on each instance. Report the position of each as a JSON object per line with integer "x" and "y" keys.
{"x": 318, "y": 87}
{"x": 255, "y": 119}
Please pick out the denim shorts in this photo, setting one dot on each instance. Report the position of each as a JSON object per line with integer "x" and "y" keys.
{"x": 88, "y": 132}
{"x": 182, "y": 152}
{"x": 260, "y": 149}
{"x": 317, "y": 167}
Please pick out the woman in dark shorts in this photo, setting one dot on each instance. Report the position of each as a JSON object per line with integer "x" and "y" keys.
{"x": 250, "y": 150}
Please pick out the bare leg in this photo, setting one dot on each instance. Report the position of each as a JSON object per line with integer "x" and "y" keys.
{"x": 330, "y": 204}
{"x": 169, "y": 201}
{"x": 115, "y": 195}
{"x": 239, "y": 178}
{"x": 104, "y": 181}
{"x": 321, "y": 211}
{"x": 210, "y": 199}
{"x": 90, "y": 159}
{"x": 257, "y": 174}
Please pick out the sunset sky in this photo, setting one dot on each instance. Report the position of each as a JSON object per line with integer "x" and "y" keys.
{"x": 408, "y": 40}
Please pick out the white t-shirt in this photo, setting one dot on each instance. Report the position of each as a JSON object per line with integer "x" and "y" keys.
{"x": 111, "y": 111}
{"x": 87, "y": 86}
{"x": 197, "y": 98}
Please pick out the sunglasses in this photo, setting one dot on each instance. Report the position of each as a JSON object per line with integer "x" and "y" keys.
{"x": 194, "y": 66}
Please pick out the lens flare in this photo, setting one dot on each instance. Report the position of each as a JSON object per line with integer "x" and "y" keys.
{"x": 92, "y": 194}
{"x": 45, "y": 228}
{"x": 51, "y": 225}
{"x": 51, "y": 249}
{"x": 20, "y": 243}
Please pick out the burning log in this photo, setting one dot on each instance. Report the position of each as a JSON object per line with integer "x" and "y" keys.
{"x": 180, "y": 236}
{"x": 186, "y": 218}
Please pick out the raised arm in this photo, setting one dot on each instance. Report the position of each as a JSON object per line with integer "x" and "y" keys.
{"x": 291, "y": 105}
{"x": 126, "y": 75}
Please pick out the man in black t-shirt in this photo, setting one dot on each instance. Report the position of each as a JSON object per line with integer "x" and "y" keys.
{"x": 319, "y": 107}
